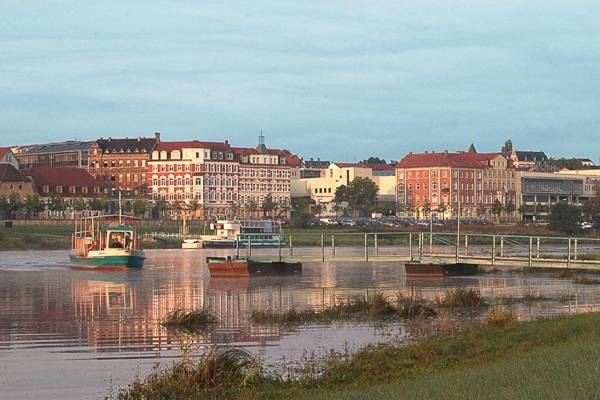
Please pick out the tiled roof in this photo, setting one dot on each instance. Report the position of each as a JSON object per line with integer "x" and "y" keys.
{"x": 380, "y": 167}
{"x": 192, "y": 144}
{"x": 3, "y": 151}
{"x": 61, "y": 177}
{"x": 127, "y": 145}
{"x": 56, "y": 147}
{"x": 531, "y": 156}
{"x": 8, "y": 173}
{"x": 290, "y": 159}
{"x": 459, "y": 160}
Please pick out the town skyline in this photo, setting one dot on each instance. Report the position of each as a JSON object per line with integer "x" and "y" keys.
{"x": 383, "y": 80}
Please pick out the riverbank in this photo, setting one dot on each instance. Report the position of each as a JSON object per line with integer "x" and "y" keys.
{"x": 549, "y": 358}
{"x": 56, "y": 236}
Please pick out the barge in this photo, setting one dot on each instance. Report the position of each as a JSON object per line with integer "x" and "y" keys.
{"x": 228, "y": 267}
{"x": 416, "y": 269}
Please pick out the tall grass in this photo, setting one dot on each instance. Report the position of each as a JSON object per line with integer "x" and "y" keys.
{"x": 462, "y": 298}
{"x": 217, "y": 374}
{"x": 195, "y": 321}
{"x": 378, "y": 306}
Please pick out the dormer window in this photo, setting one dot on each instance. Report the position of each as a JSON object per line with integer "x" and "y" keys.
{"x": 72, "y": 189}
{"x": 59, "y": 189}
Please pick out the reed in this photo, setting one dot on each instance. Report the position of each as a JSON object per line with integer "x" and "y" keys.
{"x": 189, "y": 321}
{"x": 462, "y": 298}
{"x": 378, "y": 306}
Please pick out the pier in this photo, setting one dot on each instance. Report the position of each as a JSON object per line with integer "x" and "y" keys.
{"x": 484, "y": 249}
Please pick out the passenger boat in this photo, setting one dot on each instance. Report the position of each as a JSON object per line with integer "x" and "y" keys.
{"x": 105, "y": 242}
{"x": 439, "y": 269}
{"x": 228, "y": 267}
{"x": 241, "y": 233}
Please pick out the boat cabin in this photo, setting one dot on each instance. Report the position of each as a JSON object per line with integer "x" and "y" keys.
{"x": 103, "y": 234}
{"x": 118, "y": 237}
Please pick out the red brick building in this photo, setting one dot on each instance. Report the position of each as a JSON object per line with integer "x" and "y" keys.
{"x": 122, "y": 164}
{"x": 442, "y": 180}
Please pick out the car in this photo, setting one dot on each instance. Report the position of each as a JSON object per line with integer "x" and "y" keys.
{"x": 586, "y": 225}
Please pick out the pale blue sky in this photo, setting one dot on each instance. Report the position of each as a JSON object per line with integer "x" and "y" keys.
{"x": 332, "y": 79}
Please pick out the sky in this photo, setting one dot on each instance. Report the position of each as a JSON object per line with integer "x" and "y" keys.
{"x": 338, "y": 80}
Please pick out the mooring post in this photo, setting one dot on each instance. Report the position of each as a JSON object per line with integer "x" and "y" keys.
{"x": 249, "y": 246}
{"x": 530, "y": 250}
{"x": 291, "y": 246}
{"x": 279, "y": 247}
{"x": 494, "y": 250}
{"x": 376, "y": 246}
{"x": 410, "y": 255}
{"x": 366, "y": 247}
{"x": 322, "y": 247}
{"x": 537, "y": 248}
{"x": 467, "y": 245}
{"x": 569, "y": 254}
{"x": 333, "y": 245}
{"x": 575, "y": 249}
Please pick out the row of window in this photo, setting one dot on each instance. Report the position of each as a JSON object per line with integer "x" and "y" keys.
{"x": 119, "y": 164}
{"x": 264, "y": 173}
{"x": 121, "y": 178}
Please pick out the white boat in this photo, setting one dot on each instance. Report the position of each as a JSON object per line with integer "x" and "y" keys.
{"x": 229, "y": 234}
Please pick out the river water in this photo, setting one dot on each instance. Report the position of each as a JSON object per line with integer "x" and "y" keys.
{"x": 74, "y": 334}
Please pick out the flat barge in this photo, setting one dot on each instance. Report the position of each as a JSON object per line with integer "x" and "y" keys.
{"x": 228, "y": 267}
{"x": 416, "y": 269}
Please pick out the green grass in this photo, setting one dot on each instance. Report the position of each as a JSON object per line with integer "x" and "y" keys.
{"x": 504, "y": 359}
{"x": 463, "y": 298}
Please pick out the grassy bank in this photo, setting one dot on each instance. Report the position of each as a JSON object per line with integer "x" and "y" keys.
{"x": 31, "y": 241}
{"x": 553, "y": 358}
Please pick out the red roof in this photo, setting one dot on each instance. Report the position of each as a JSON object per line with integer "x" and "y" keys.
{"x": 482, "y": 157}
{"x": 290, "y": 159}
{"x": 3, "y": 151}
{"x": 380, "y": 167}
{"x": 192, "y": 144}
{"x": 8, "y": 173}
{"x": 65, "y": 176}
{"x": 459, "y": 160}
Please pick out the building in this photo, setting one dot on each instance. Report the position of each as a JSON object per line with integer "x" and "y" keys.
{"x": 527, "y": 160}
{"x": 309, "y": 169}
{"x": 538, "y": 191}
{"x": 442, "y": 181}
{"x": 223, "y": 181}
{"x": 122, "y": 165}
{"x": 8, "y": 157}
{"x": 13, "y": 181}
{"x": 60, "y": 154}
{"x": 65, "y": 182}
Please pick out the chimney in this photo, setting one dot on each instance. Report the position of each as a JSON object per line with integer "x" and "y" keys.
{"x": 157, "y": 136}
{"x": 227, "y": 142}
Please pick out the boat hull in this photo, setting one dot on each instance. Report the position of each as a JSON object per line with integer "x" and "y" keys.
{"x": 223, "y": 268}
{"x": 109, "y": 261}
{"x": 440, "y": 269}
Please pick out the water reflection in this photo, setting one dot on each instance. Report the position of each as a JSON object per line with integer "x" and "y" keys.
{"x": 55, "y": 319}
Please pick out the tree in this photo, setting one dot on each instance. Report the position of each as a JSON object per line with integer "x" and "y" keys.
{"x": 234, "y": 209}
{"x": 139, "y": 207}
{"x": 33, "y": 205}
{"x": 57, "y": 203}
{"x": 497, "y": 208}
{"x": 386, "y": 207}
{"x": 4, "y": 205}
{"x": 360, "y": 194}
{"x": 159, "y": 208}
{"x": 565, "y": 218}
{"x": 481, "y": 210}
{"x": 252, "y": 207}
{"x": 78, "y": 204}
{"x": 268, "y": 205}
{"x": 426, "y": 208}
{"x": 99, "y": 203}
{"x": 510, "y": 207}
{"x": 192, "y": 207}
{"x": 441, "y": 209}
{"x": 373, "y": 160}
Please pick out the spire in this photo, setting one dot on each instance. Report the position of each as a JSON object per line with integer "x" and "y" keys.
{"x": 472, "y": 149}
{"x": 262, "y": 149}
